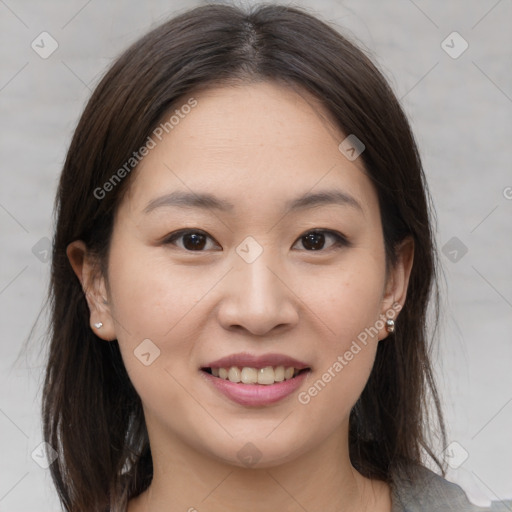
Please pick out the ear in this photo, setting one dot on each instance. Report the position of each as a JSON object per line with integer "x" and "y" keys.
{"x": 395, "y": 291}
{"x": 93, "y": 284}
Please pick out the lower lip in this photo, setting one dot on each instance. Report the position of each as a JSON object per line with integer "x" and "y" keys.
{"x": 256, "y": 394}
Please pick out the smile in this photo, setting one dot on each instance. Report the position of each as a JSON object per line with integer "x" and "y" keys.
{"x": 248, "y": 375}
{"x": 255, "y": 387}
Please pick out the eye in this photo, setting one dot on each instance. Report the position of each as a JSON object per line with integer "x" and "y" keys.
{"x": 315, "y": 240}
{"x": 193, "y": 239}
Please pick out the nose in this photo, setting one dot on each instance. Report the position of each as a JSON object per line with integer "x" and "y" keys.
{"x": 257, "y": 297}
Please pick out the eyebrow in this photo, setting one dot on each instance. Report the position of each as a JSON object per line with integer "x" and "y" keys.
{"x": 208, "y": 201}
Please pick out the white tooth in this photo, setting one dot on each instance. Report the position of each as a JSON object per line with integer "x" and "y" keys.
{"x": 266, "y": 375}
{"x": 234, "y": 374}
{"x": 249, "y": 375}
{"x": 279, "y": 374}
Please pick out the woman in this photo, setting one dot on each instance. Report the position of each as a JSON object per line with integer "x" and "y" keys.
{"x": 242, "y": 265}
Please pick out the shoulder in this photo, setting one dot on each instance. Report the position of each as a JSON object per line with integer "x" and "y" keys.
{"x": 419, "y": 489}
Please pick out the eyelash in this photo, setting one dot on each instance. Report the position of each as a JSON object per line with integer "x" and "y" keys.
{"x": 340, "y": 240}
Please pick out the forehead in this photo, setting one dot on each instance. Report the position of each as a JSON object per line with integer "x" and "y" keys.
{"x": 252, "y": 141}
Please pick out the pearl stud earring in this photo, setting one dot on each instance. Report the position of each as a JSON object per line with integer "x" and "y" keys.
{"x": 390, "y": 325}
{"x": 98, "y": 325}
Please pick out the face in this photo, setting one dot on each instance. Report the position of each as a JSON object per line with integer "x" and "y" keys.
{"x": 256, "y": 268}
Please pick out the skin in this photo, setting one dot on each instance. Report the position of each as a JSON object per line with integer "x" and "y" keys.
{"x": 256, "y": 145}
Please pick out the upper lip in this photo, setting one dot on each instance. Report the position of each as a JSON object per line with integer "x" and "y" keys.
{"x": 254, "y": 361}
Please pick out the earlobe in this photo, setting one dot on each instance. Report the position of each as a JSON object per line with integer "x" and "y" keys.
{"x": 397, "y": 284}
{"x": 93, "y": 285}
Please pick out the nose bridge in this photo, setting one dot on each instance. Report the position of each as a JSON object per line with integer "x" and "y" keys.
{"x": 256, "y": 296}
{"x": 259, "y": 286}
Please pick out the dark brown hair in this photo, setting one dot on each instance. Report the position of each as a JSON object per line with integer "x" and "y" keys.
{"x": 92, "y": 415}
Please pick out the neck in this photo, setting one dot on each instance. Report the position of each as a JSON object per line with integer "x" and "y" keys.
{"x": 320, "y": 479}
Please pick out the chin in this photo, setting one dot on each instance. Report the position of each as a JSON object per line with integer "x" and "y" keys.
{"x": 259, "y": 453}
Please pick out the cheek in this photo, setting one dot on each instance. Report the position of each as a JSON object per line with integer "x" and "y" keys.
{"x": 347, "y": 300}
{"x": 157, "y": 302}
{"x": 348, "y": 307}
{"x": 151, "y": 295}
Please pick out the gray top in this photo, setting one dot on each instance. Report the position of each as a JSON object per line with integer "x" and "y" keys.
{"x": 432, "y": 493}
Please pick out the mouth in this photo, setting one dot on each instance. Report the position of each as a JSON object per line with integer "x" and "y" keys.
{"x": 265, "y": 376}
{"x": 256, "y": 387}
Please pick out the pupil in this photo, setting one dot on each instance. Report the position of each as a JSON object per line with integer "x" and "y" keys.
{"x": 197, "y": 241}
{"x": 316, "y": 239}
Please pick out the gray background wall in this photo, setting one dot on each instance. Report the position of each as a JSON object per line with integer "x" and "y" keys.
{"x": 460, "y": 107}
